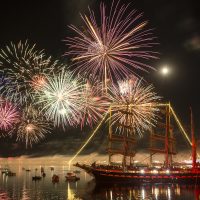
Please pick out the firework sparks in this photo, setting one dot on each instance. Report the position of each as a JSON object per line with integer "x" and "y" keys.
{"x": 25, "y": 69}
{"x": 94, "y": 104}
{"x": 113, "y": 49}
{"x": 9, "y": 115}
{"x": 38, "y": 81}
{"x": 60, "y": 98}
{"x": 32, "y": 127}
{"x": 134, "y": 107}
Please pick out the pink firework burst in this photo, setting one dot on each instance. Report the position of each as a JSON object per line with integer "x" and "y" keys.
{"x": 93, "y": 104}
{"x": 113, "y": 48}
{"x": 9, "y": 115}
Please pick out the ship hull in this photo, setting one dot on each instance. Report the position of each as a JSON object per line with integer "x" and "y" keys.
{"x": 147, "y": 178}
{"x": 114, "y": 176}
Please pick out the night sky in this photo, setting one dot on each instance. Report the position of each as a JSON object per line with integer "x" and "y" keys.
{"x": 176, "y": 25}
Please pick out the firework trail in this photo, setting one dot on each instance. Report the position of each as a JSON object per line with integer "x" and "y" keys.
{"x": 32, "y": 128}
{"x": 113, "y": 48}
{"x": 60, "y": 98}
{"x": 133, "y": 107}
{"x": 25, "y": 69}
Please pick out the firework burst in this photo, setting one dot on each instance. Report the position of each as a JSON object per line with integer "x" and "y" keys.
{"x": 133, "y": 107}
{"x": 9, "y": 115}
{"x": 60, "y": 98}
{"x": 25, "y": 69}
{"x": 113, "y": 48}
{"x": 32, "y": 127}
{"x": 94, "y": 104}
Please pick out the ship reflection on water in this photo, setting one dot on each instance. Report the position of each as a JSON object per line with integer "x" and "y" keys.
{"x": 147, "y": 192}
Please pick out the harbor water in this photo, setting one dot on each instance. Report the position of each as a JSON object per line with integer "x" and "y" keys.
{"x": 22, "y": 187}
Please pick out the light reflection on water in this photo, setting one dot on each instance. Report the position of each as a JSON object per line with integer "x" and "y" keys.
{"x": 22, "y": 187}
{"x": 148, "y": 192}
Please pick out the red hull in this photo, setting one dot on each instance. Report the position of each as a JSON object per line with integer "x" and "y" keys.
{"x": 106, "y": 174}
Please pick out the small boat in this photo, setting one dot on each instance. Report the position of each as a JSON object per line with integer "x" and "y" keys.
{"x": 42, "y": 169}
{"x": 52, "y": 168}
{"x": 9, "y": 173}
{"x": 4, "y": 170}
{"x": 36, "y": 178}
{"x": 77, "y": 171}
{"x": 55, "y": 178}
{"x": 43, "y": 174}
{"x": 71, "y": 177}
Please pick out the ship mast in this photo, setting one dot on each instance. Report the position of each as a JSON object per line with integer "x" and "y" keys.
{"x": 166, "y": 140}
{"x": 120, "y": 144}
{"x": 167, "y": 161}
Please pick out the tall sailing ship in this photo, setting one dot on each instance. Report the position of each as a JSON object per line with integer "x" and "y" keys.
{"x": 128, "y": 171}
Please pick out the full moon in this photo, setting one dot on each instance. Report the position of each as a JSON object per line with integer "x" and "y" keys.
{"x": 165, "y": 70}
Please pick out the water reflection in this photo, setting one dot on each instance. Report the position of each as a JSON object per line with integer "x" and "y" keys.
{"x": 70, "y": 192}
{"x": 22, "y": 187}
{"x": 146, "y": 192}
